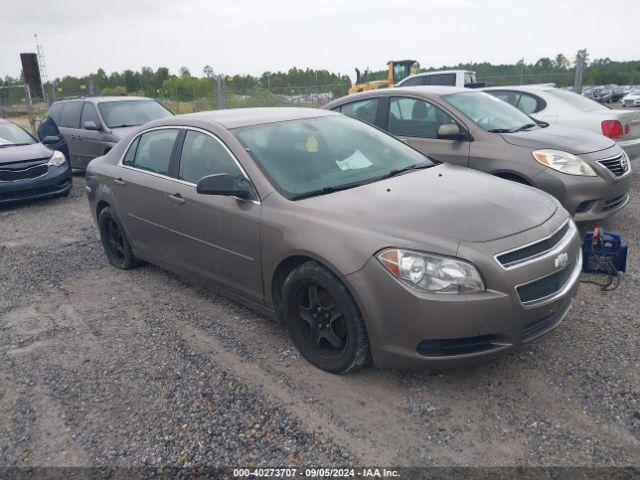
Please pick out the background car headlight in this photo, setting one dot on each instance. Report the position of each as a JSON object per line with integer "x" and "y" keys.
{"x": 57, "y": 159}
{"x": 564, "y": 162}
{"x": 431, "y": 273}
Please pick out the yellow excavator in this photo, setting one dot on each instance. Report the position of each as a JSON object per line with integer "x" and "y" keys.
{"x": 398, "y": 70}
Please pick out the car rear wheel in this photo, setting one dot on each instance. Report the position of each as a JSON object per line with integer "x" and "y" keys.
{"x": 115, "y": 243}
{"x": 323, "y": 320}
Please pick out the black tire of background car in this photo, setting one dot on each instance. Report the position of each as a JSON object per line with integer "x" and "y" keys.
{"x": 119, "y": 256}
{"x": 356, "y": 352}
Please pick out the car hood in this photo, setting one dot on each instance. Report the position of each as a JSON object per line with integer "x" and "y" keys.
{"x": 445, "y": 201}
{"x": 572, "y": 140}
{"x": 22, "y": 153}
{"x": 122, "y": 132}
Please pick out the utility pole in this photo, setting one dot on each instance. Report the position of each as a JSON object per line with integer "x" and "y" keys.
{"x": 522, "y": 71}
{"x": 580, "y": 64}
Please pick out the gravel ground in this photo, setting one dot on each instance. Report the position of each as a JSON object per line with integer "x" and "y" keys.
{"x": 100, "y": 367}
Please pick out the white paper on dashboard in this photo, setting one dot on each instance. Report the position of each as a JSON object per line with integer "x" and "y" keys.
{"x": 354, "y": 161}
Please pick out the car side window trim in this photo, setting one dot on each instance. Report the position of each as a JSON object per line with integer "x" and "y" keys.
{"x": 174, "y": 163}
{"x": 175, "y": 157}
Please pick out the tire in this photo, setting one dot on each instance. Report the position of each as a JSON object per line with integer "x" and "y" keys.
{"x": 114, "y": 241}
{"x": 323, "y": 320}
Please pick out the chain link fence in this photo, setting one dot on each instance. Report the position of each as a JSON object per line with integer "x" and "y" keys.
{"x": 15, "y": 104}
{"x": 201, "y": 94}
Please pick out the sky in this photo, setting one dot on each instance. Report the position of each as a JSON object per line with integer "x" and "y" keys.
{"x": 253, "y": 36}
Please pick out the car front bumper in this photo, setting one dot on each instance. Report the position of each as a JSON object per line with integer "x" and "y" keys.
{"x": 410, "y": 329}
{"x": 57, "y": 181}
{"x": 587, "y": 198}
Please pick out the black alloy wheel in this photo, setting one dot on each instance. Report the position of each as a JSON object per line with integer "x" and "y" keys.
{"x": 323, "y": 319}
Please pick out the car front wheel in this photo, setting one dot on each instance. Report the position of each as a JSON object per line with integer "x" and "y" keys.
{"x": 323, "y": 320}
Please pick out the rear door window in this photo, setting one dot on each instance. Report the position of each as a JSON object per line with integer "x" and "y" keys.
{"x": 153, "y": 153}
{"x": 70, "y": 117}
{"x": 416, "y": 118}
{"x": 365, "y": 110}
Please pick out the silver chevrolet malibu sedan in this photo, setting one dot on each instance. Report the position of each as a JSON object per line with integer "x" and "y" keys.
{"x": 364, "y": 248}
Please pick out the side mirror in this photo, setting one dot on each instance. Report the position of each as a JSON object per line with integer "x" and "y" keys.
{"x": 50, "y": 140}
{"x": 225, "y": 185}
{"x": 90, "y": 125}
{"x": 450, "y": 131}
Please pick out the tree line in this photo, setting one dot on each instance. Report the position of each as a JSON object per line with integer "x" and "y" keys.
{"x": 184, "y": 86}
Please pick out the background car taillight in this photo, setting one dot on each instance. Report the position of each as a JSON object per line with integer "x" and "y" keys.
{"x": 612, "y": 128}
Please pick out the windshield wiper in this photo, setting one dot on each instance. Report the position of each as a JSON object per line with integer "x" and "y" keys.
{"x": 398, "y": 171}
{"x": 525, "y": 126}
{"x": 124, "y": 125}
{"x": 346, "y": 186}
{"x": 325, "y": 190}
{"x": 500, "y": 130}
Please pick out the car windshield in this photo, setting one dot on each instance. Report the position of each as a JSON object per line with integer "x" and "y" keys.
{"x": 12, "y": 134}
{"x": 578, "y": 101}
{"x": 490, "y": 113}
{"x": 319, "y": 155}
{"x": 129, "y": 113}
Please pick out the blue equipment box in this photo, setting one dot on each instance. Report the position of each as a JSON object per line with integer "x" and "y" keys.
{"x": 607, "y": 250}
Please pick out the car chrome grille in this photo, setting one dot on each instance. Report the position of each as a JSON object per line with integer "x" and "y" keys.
{"x": 32, "y": 172}
{"x": 509, "y": 259}
{"x": 618, "y": 165}
{"x": 543, "y": 288}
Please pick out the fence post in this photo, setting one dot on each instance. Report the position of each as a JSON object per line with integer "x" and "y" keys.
{"x": 577, "y": 82}
{"x": 32, "y": 120}
{"x": 221, "y": 92}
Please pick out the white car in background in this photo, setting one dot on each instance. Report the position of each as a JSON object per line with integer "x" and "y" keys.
{"x": 562, "y": 107}
{"x": 631, "y": 99}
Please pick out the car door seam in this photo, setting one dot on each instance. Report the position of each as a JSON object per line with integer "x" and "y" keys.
{"x": 246, "y": 257}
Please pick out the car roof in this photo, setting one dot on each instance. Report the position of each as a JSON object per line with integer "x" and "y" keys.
{"x": 526, "y": 88}
{"x": 243, "y": 117}
{"x": 429, "y": 90}
{"x": 112, "y": 98}
{"x": 437, "y": 90}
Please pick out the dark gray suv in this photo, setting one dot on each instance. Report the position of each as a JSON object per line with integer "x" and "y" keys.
{"x": 91, "y": 126}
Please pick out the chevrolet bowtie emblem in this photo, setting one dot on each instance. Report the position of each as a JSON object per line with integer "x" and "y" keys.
{"x": 561, "y": 260}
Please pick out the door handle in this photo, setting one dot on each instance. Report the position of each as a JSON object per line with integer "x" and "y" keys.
{"x": 405, "y": 140}
{"x": 176, "y": 198}
{"x": 119, "y": 182}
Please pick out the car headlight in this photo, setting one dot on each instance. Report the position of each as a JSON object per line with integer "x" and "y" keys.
{"x": 563, "y": 162}
{"x": 57, "y": 159}
{"x": 431, "y": 273}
